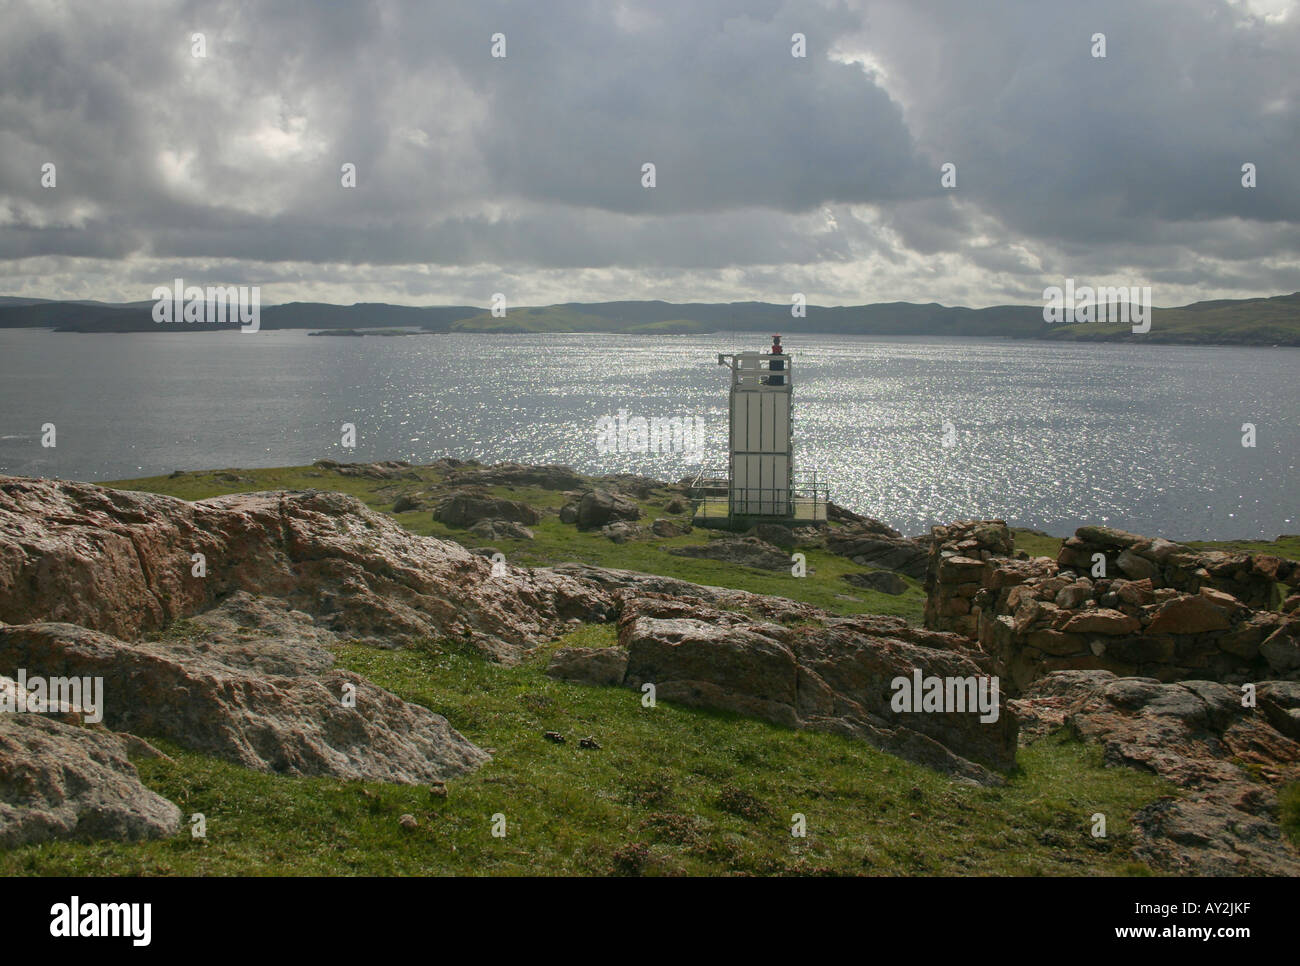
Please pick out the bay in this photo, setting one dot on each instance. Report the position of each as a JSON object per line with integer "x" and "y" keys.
{"x": 1045, "y": 435}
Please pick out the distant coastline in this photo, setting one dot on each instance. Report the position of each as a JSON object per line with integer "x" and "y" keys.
{"x": 1273, "y": 321}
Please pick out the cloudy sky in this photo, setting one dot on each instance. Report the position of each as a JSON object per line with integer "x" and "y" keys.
{"x": 774, "y": 174}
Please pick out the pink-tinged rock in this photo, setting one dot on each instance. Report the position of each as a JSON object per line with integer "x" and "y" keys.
{"x": 120, "y": 562}
{"x": 1267, "y": 565}
{"x": 1191, "y": 614}
{"x": 957, "y": 570}
{"x": 1196, "y": 735}
{"x": 62, "y": 781}
{"x": 278, "y": 709}
{"x": 836, "y": 676}
{"x": 1135, "y": 592}
{"x": 1225, "y": 600}
{"x": 1103, "y": 620}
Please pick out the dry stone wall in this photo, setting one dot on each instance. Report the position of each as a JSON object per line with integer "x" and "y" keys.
{"x": 1154, "y": 609}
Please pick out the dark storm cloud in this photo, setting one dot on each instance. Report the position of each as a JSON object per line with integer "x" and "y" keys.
{"x": 802, "y": 174}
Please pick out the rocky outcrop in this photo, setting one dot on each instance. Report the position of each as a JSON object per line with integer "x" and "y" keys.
{"x": 1229, "y": 761}
{"x": 598, "y": 508}
{"x": 406, "y": 503}
{"x": 881, "y": 581}
{"x": 633, "y": 485}
{"x": 466, "y": 509}
{"x": 773, "y": 533}
{"x": 605, "y": 666}
{"x": 838, "y": 514}
{"x": 744, "y": 551}
{"x": 501, "y": 530}
{"x": 625, "y": 584}
{"x": 547, "y": 477}
{"x": 289, "y": 720}
{"x": 61, "y": 781}
{"x": 383, "y": 470}
{"x": 622, "y": 531}
{"x": 209, "y": 624}
{"x": 838, "y": 676}
{"x": 669, "y": 528}
{"x": 122, "y": 563}
{"x": 872, "y": 544}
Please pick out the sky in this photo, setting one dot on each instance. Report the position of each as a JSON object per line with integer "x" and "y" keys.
{"x": 220, "y": 160}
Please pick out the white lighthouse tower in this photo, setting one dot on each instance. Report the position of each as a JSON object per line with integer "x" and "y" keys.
{"x": 761, "y": 482}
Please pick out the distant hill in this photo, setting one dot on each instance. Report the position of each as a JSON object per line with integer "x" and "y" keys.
{"x": 892, "y": 318}
{"x": 1257, "y": 321}
{"x": 1270, "y": 321}
{"x": 138, "y": 316}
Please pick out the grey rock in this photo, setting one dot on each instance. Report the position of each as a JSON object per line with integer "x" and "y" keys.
{"x": 883, "y": 581}
{"x": 292, "y": 723}
{"x": 1282, "y": 648}
{"x": 600, "y": 507}
{"x": 406, "y": 502}
{"x": 1194, "y": 734}
{"x": 466, "y": 509}
{"x": 61, "y": 781}
{"x": 773, "y": 533}
{"x": 604, "y": 666}
{"x": 547, "y": 477}
{"x": 383, "y": 470}
{"x": 669, "y": 528}
{"x": 1134, "y": 566}
{"x": 836, "y": 676}
{"x": 745, "y": 551}
{"x": 501, "y": 530}
{"x": 871, "y": 549}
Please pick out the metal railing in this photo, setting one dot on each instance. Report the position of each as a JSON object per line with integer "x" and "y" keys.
{"x": 753, "y": 370}
{"x": 715, "y": 499}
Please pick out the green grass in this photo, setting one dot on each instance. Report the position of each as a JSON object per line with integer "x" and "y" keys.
{"x": 1284, "y": 546}
{"x": 672, "y": 791}
{"x": 1288, "y": 799}
{"x": 1036, "y": 544}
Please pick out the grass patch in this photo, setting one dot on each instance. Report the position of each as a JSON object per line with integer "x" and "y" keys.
{"x": 672, "y": 791}
{"x": 1037, "y": 544}
{"x": 1288, "y": 800}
